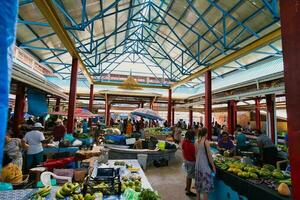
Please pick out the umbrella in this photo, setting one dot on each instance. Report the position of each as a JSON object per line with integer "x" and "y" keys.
{"x": 147, "y": 113}
{"x": 79, "y": 112}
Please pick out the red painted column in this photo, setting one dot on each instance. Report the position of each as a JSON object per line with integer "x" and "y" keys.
{"x": 208, "y": 104}
{"x": 91, "y": 102}
{"x": 290, "y": 17}
{"x": 234, "y": 108}
{"x": 190, "y": 116}
{"x": 169, "y": 106}
{"x": 19, "y": 109}
{"x": 173, "y": 113}
{"x": 72, "y": 96}
{"x": 107, "y": 110}
{"x": 231, "y": 116}
{"x": 271, "y": 118}
{"x": 57, "y": 104}
{"x": 257, "y": 114}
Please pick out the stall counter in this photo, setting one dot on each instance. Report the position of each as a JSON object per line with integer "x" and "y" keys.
{"x": 25, "y": 194}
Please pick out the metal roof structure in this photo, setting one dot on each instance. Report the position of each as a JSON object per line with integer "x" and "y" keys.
{"x": 165, "y": 39}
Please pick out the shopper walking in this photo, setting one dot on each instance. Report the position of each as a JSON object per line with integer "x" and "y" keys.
{"x": 189, "y": 155}
{"x": 205, "y": 168}
{"x": 35, "y": 140}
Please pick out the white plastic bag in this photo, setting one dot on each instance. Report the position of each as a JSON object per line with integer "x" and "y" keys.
{"x": 77, "y": 143}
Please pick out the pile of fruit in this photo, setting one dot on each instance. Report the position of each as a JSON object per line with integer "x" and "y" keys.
{"x": 103, "y": 187}
{"x": 41, "y": 194}
{"x": 74, "y": 191}
{"x": 267, "y": 174}
{"x": 153, "y": 131}
{"x": 119, "y": 163}
{"x": 133, "y": 182}
{"x": 145, "y": 194}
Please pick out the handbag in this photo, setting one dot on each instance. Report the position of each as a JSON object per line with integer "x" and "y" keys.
{"x": 209, "y": 164}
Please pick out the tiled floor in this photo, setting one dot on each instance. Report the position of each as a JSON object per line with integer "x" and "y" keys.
{"x": 169, "y": 181}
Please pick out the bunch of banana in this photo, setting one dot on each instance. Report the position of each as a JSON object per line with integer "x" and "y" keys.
{"x": 67, "y": 190}
{"x": 43, "y": 192}
{"x": 87, "y": 196}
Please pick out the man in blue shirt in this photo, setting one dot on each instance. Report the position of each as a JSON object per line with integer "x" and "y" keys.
{"x": 241, "y": 140}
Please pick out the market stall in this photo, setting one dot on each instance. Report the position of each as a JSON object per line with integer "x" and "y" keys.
{"x": 129, "y": 179}
{"x": 252, "y": 181}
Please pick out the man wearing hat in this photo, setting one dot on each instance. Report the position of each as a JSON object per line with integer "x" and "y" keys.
{"x": 59, "y": 130}
{"x": 34, "y": 139}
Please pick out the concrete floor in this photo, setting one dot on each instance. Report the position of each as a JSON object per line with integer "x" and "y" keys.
{"x": 169, "y": 181}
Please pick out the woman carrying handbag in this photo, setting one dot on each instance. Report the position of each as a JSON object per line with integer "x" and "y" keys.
{"x": 205, "y": 168}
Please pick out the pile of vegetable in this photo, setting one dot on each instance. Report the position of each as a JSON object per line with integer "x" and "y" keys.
{"x": 267, "y": 174}
{"x": 145, "y": 194}
{"x": 148, "y": 194}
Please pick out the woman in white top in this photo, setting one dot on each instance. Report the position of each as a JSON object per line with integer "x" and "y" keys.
{"x": 34, "y": 139}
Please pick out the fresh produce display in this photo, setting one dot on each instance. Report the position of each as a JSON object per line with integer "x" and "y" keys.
{"x": 103, "y": 187}
{"x": 112, "y": 131}
{"x": 154, "y": 131}
{"x": 83, "y": 135}
{"x": 119, "y": 163}
{"x": 145, "y": 194}
{"x": 267, "y": 174}
{"x": 283, "y": 147}
{"x": 148, "y": 194}
{"x": 12, "y": 174}
{"x": 74, "y": 191}
{"x": 41, "y": 194}
{"x": 133, "y": 182}
{"x": 284, "y": 189}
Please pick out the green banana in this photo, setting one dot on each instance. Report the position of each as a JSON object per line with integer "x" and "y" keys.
{"x": 67, "y": 188}
{"x": 59, "y": 195}
{"x": 45, "y": 191}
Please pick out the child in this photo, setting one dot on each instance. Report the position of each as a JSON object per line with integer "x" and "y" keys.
{"x": 189, "y": 156}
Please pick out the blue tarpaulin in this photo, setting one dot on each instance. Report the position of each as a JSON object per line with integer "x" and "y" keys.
{"x": 37, "y": 103}
{"x": 8, "y": 18}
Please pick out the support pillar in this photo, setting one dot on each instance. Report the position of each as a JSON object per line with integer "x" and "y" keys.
{"x": 208, "y": 104}
{"x": 72, "y": 96}
{"x": 107, "y": 110}
{"x": 169, "y": 107}
{"x": 173, "y": 113}
{"x": 257, "y": 114}
{"x": 91, "y": 102}
{"x": 271, "y": 117}
{"x": 19, "y": 109}
{"x": 142, "y": 104}
{"x": 290, "y": 17}
{"x": 231, "y": 116}
{"x": 190, "y": 116}
{"x": 57, "y": 104}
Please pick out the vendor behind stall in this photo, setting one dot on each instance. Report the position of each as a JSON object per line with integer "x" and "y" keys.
{"x": 35, "y": 140}
{"x": 225, "y": 143}
{"x": 59, "y": 130}
{"x": 268, "y": 150}
{"x": 241, "y": 140}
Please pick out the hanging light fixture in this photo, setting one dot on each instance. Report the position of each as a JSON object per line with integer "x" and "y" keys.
{"x": 130, "y": 84}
